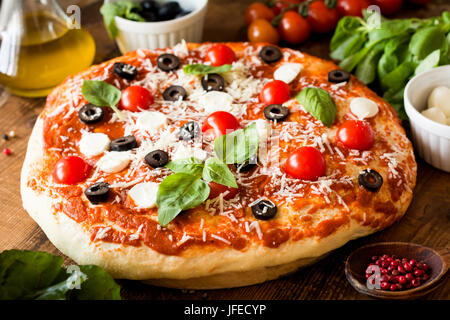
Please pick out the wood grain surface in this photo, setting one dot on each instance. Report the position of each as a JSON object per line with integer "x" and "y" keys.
{"x": 427, "y": 221}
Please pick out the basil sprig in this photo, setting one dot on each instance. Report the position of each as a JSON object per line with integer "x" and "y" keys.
{"x": 124, "y": 9}
{"x": 217, "y": 171}
{"x": 201, "y": 69}
{"x": 319, "y": 104}
{"x": 101, "y": 94}
{"x": 238, "y": 146}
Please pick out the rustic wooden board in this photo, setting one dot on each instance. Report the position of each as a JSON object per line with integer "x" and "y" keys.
{"x": 427, "y": 221}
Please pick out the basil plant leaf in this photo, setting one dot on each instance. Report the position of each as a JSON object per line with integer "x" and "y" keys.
{"x": 124, "y": 9}
{"x": 101, "y": 94}
{"x": 367, "y": 69}
{"x": 426, "y": 40}
{"x": 202, "y": 69}
{"x": 99, "y": 285}
{"x": 59, "y": 291}
{"x": 190, "y": 165}
{"x": 319, "y": 104}
{"x": 217, "y": 171}
{"x": 178, "y": 192}
{"x": 237, "y": 146}
{"x": 431, "y": 61}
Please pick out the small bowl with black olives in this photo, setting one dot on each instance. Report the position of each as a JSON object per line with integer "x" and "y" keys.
{"x": 152, "y": 24}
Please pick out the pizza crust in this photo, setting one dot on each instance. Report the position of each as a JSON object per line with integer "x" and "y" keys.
{"x": 194, "y": 268}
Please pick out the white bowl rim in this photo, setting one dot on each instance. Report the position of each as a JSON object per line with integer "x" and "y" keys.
{"x": 418, "y": 118}
{"x": 130, "y": 24}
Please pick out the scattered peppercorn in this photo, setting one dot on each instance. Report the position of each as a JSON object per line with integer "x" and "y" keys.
{"x": 5, "y": 137}
{"x": 399, "y": 273}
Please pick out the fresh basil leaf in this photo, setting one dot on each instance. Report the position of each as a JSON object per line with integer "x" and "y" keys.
{"x": 367, "y": 69}
{"x": 178, "y": 192}
{"x": 238, "y": 146}
{"x": 99, "y": 285}
{"x": 389, "y": 29}
{"x": 350, "y": 63}
{"x": 346, "y": 28}
{"x": 217, "y": 171}
{"x": 202, "y": 69}
{"x": 431, "y": 61}
{"x": 22, "y": 273}
{"x": 190, "y": 165}
{"x": 386, "y": 64}
{"x": 40, "y": 275}
{"x": 102, "y": 94}
{"x": 398, "y": 77}
{"x": 426, "y": 40}
{"x": 124, "y": 9}
{"x": 319, "y": 104}
{"x": 349, "y": 46}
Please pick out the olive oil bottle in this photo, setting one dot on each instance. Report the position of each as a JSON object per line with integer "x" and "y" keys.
{"x": 39, "y": 47}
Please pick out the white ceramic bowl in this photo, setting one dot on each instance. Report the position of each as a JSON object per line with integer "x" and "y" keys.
{"x": 431, "y": 139}
{"x": 134, "y": 35}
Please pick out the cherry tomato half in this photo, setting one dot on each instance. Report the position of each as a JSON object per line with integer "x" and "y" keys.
{"x": 306, "y": 163}
{"x": 258, "y": 10}
{"x": 70, "y": 170}
{"x": 219, "y": 123}
{"x": 216, "y": 189}
{"x": 356, "y": 134}
{"x": 388, "y": 7}
{"x": 220, "y": 54}
{"x": 262, "y": 30}
{"x": 321, "y": 18}
{"x": 294, "y": 28}
{"x": 274, "y": 92}
{"x": 352, "y": 7}
{"x": 135, "y": 98}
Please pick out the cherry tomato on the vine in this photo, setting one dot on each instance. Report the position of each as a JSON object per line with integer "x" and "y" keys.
{"x": 216, "y": 189}
{"x": 135, "y": 98}
{"x": 258, "y": 10}
{"x": 356, "y": 134}
{"x": 70, "y": 170}
{"x": 220, "y": 54}
{"x": 262, "y": 30}
{"x": 274, "y": 92}
{"x": 321, "y": 18}
{"x": 279, "y": 6}
{"x": 306, "y": 163}
{"x": 352, "y": 7}
{"x": 388, "y": 7}
{"x": 219, "y": 123}
{"x": 294, "y": 28}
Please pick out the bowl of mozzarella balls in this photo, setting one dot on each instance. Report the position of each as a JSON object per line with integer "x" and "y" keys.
{"x": 427, "y": 104}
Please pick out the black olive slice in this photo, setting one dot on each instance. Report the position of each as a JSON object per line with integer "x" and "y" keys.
{"x": 157, "y": 158}
{"x": 276, "y": 112}
{"x": 213, "y": 82}
{"x": 264, "y": 210}
{"x": 126, "y": 71}
{"x": 189, "y": 131}
{"x": 270, "y": 54}
{"x": 337, "y": 76}
{"x": 370, "y": 179}
{"x": 247, "y": 165}
{"x": 97, "y": 193}
{"x": 168, "y": 62}
{"x": 90, "y": 114}
{"x": 174, "y": 93}
{"x": 123, "y": 144}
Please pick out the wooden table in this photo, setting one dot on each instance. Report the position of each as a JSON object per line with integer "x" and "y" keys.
{"x": 427, "y": 221}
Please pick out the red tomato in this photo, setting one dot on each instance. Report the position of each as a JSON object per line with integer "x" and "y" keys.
{"x": 306, "y": 163}
{"x": 70, "y": 170}
{"x": 284, "y": 4}
{"x": 388, "y": 7}
{"x": 135, "y": 98}
{"x": 220, "y": 54}
{"x": 216, "y": 189}
{"x": 261, "y": 30}
{"x": 258, "y": 10}
{"x": 219, "y": 123}
{"x": 321, "y": 18}
{"x": 356, "y": 134}
{"x": 274, "y": 92}
{"x": 294, "y": 28}
{"x": 352, "y": 7}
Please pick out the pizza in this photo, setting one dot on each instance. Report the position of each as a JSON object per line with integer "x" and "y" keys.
{"x": 214, "y": 165}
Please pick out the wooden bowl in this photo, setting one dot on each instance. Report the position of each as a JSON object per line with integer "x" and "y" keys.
{"x": 357, "y": 262}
